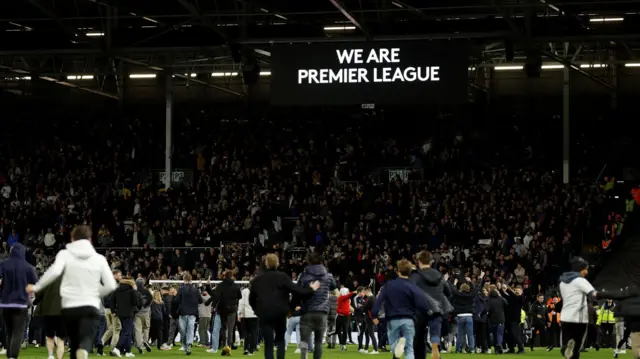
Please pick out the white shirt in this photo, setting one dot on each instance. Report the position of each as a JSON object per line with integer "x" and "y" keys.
{"x": 49, "y": 239}
{"x": 575, "y": 304}
{"x": 86, "y": 276}
{"x": 244, "y": 308}
{"x": 6, "y": 191}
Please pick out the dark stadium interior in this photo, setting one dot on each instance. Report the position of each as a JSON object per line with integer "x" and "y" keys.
{"x": 534, "y": 165}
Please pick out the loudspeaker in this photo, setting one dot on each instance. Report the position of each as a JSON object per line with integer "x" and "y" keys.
{"x": 508, "y": 49}
{"x": 533, "y": 65}
{"x": 236, "y": 52}
{"x": 250, "y": 71}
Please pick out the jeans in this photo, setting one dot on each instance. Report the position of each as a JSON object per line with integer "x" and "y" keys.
{"x": 126, "y": 335}
{"x": 187, "y": 329}
{"x": 215, "y": 332}
{"x": 26, "y": 328}
{"x": 465, "y": 328}
{"x": 397, "y": 328}
{"x": 435, "y": 329}
{"x": 294, "y": 324}
{"x": 100, "y": 330}
{"x": 498, "y": 334}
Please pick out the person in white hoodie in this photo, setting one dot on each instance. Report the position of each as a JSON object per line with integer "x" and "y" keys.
{"x": 86, "y": 279}
{"x": 250, "y": 320}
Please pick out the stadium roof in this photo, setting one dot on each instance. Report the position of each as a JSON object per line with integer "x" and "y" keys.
{"x": 91, "y": 37}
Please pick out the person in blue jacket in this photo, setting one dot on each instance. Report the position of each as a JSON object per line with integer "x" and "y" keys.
{"x": 16, "y": 273}
{"x": 402, "y": 301}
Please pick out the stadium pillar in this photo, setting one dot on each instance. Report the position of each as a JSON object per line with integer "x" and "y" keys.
{"x": 168, "y": 130}
{"x": 566, "y": 92}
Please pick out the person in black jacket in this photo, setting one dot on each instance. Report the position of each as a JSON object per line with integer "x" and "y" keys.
{"x": 369, "y": 303}
{"x": 167, "y": 299}
{"x": 158, "y": 312}
{"x": 538, "y": 314}
{"x": 464, "y": 300}
{"x": 496, "y": 307}
{"x": 186, "y": 304}
{"x": 269, "y": 298}
{"x": 515, "y": 302}
{"x": 480, "y": 320}
{"x": 225, "y": 298}
{"x": 124, "y": 302}
{"x": 433, "y": 284}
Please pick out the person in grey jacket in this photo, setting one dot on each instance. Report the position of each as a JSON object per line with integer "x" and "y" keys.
{"x": 434, "y": 285}
{"x": 315, "y": 309}
{"x": 331, "y": 318}
{"x": 204, "y": 319}
{"x": 142, "y": 321}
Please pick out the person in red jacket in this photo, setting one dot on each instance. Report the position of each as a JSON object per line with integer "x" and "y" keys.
{"x": 344, "y": 312}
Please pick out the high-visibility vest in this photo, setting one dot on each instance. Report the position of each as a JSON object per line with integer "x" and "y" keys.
{"x": 553, "y": 314}
{"x": 630, "y": 204}
{"x": 605, "y": 316}
{"x": 606, "y": 243}
{"x": 523, "y": 316}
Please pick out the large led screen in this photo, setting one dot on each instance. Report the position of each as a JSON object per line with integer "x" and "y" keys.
{"x": 376, "y": 72}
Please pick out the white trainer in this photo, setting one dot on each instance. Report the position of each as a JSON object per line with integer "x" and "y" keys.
{"x": 398, "y": 352}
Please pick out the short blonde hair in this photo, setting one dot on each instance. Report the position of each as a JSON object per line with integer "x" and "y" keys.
{"x": 465, "y": 288}
{"x": 404, "y": 267}
{"x": 271, "y": 261}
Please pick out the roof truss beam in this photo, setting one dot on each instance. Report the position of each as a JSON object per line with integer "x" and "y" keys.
{"x": 200, "y": 82}
{"x": 530, "y": 43}
{"x": 349, "y": 17}
{"x": 196, "y": 13}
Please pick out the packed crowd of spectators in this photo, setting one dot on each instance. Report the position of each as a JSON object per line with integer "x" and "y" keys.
{"x": 283, "y": 184}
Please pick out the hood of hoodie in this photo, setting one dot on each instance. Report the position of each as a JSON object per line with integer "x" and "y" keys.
{"x": 18, "y": 252}
{"x": 81, "y": 249}
{"x": 318, "y": 271}
{"x": 430, "y": 275}
{"x": 125, "y": 284}
{"x": 568, "y": 277}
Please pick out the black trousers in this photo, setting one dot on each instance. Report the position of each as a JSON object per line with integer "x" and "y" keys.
{"x": 273, "y": 329}
{"x": 15, "y": 321}
{"x": 420, "y": 339}
{"x": 538, "y": 329}
{"x": 157, "y": 331}
{"x": 227, "y": 333}
{"x": 361, "y": 325}
{"x": 513, "y": 336}
{"x": 251, "y": 334}
{"x": 342, "y": 328}
{"x": 575, "y": 332}
{"x": 81, "y": 323}
{"x": 382, "y": 333}
{"x": 624, "y": 338}
{"x": 482, "y": 335}
{"x": 608, "y": 335}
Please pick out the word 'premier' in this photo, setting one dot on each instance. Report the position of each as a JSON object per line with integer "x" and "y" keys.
{"x": 364, "y": 74}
